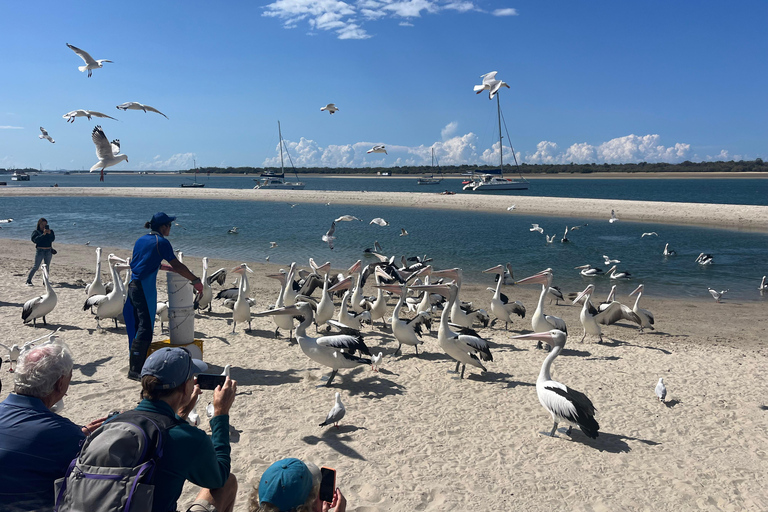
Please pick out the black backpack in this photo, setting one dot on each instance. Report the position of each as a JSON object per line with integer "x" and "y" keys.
{"x": 113, "y": 471}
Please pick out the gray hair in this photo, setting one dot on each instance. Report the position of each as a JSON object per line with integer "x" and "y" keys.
{"x": 39, "y": 369}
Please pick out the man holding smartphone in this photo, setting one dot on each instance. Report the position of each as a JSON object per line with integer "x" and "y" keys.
{"x": 289, "y": 483}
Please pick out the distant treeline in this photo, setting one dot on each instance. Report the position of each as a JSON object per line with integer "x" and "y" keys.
{"x": 702, "y": 167}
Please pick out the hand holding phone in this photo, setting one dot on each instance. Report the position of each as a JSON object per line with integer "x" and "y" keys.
{"x": 210, "y": 381}
{"x": 327, "y": 484}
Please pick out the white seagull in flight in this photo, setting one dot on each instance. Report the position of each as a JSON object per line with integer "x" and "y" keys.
{"x": 45, "y": 135}
{"x": 70, "y": 116}
{"x": 328, "y": 236}
{"x": 380, "y": 148}
{"x": 331, "y": 108}
{"x": 536, "y": 227}
{"x": 347, "y": 218}
{"x": 717, "y": 295}
{"x": 379, "y": 221}
{"x": 90, "y": 62}
{"x": 134, "y": 105}
{"x": 108, "y": 153}
{"x": 490, "y": 84}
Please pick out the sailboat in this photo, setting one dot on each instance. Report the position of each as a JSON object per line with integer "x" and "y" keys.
{"x": 493, "y": 180}
{"x": 271, "y": 179}
{"x": 194, "y": 184}
{"x": 430, "y": 180}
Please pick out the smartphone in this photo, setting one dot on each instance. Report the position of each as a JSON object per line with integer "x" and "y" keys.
{"x": 327, "y": 484}
{"x": 210, "y": 381}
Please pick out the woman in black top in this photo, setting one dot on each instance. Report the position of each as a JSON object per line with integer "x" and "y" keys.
{"x": 43, "y": 238}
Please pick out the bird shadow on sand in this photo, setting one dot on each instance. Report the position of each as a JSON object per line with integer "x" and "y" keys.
{"x": 764, "y": 407}
{"x": 89, "y": 381}
{"x": 613, "y": 342}
{"x": 671, "y": 403}
{"x": 575, "y": 353}
{"x": 71, "y": 286}
{"x": 252, "y": 377}
{"x": 611, "y": 443}
{"x": 204, "y": 336}
{"x": 89, "y": 369}
{"x": 336, "y": 439}
{"x": 603, "y": 358}
{"x": 372, "y": 385}
{"x": 11, "y": 304}
{"x": 423, "y": 356}
{"x": 217, "y": 315}
{"x": 259, "y": 333}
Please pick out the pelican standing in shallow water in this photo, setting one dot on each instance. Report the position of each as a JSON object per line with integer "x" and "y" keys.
{"x": 566, "y": 405}
{"x": 622, "y": 274}
{"x": 333, "y": 351}
{"x": 646, "y": 317}
{"x": 40, "y": 306}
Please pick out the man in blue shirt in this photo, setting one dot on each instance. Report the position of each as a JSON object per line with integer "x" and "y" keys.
{"x": 36, "y": 445}
{"x": 149, "y": 251}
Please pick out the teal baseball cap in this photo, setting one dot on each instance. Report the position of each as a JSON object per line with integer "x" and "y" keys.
{"x": 286, "y": 484}
{"x": 172, "y": 366}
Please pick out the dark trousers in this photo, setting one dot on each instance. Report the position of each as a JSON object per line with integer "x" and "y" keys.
{"x": 40, "y": 256}
{"x": 143, "y": 322}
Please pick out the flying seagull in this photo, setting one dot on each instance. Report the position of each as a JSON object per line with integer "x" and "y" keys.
{"x": 536, "y": 227}
{"x": 510, "y": 208}
{"x": 328, "y": 236}
{"x": 717, "y": 295}
{"x": 403, "y": 232}
{"x": 331, "y": 108}
{"x": 108, "y": 153}
{"x": 379, "y": 221}
{"x": 347, "y": 218}
{"x": 90, "y": 62}
{"x": 490, "y": 84}
{"x": 133, "y": 105}
{"x": 380, "y": 148}
{"x": 45, "y": 135}
{"x": 652, "y": 233}
{"x": 70, "y": 116}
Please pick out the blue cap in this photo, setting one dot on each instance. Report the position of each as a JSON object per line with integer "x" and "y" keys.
{"x": 160, "y": 219}
{"x": 286, "y": 484}
{"x": 173, "y": 366}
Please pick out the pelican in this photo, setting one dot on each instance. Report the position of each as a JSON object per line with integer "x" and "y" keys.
{"x": 466, "y": 346}
{"x": 337, "y": 412}
{"x": 40, "y": 306}
{"x": 206, "y": 298}
{"x": 379, "y": 221}
{"x": 555, "y": 293}
{"x": 763, "y": 285}
{"x": 589, "y": 270}
{"x": 591, "y": 317}
{"x": 540, "y": 321}
{"x": 71, "y": 116}
{"x": 111, "y": 304}
{"x": 380, "y": 148}
{"x": 351, "y": 319}
{"x": 406, "y": 331}
{"x": 536, "y": 227}
{"x": 565, "y": 236}
{"x": 460, "y": 315}
{"x": 508, "y": 274}
{"x": 242, "y": 308}
{"x": 668, "y": 251}
{"x": 233, "y": 230}
{"x": 328, "y": 236}
{"x": 652, "y": 233}
{"x": 566, "y": 405}
{"x": 357, "y": 289}
{"x": 661, "y": 390}
{"x": 623, "y": 313}
{"x": 609, "y": 261}
{"x": 613, "y": 218}
{"x": 501, "y": 307}
{"x": 717, "y": 295}
{"x": 613, "y": 274}
{"x": 333, "y": 351}
{"x": 704, "y": 259}
{"x": 284, "y": 322}
{"x": 133, "y": 105}
{"x": 490, "y": 84}
{"x": 90, "y": 62}
{"x": 97, "y": 286}
{"x": 44, "y": 135}
{"x": 331, "y": 108}
{"x": 325, "y": 308}
{"x": 347, "y": 218}
{"x": 646, "y": 317}
{"x": 15, "y": 351}
{"x": 107, "y": 152}
{"x": 379, "y": 306}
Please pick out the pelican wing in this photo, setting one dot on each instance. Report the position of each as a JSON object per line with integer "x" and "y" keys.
{"x": 220, "y": 276}
{"x": 574, "y": 406}
{"x": 349, "y": 343}
{"x": 557, "y": 322}
{"x": 343, "y": 329}
{"x": 29, "y": 306}
{"x": 516, "y": 308}
{"x": 94, "y": 300}
{"x": 475, "y": 344}
{"x": 229, "y": 293}
{"x": 82, "y": 54}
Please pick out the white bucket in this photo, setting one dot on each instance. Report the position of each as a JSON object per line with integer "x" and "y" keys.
{"x": 181, "y": 325}
{"x": 179, "y": 291}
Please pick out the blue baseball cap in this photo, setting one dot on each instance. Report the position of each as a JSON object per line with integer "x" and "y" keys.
{"x": 286, "y": 484}
{"x": 172, "y": 366}
{"x": 160, "y": 219}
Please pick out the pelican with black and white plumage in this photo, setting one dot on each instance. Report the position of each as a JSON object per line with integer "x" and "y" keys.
{"x": 335, "y": 351}
{"x": 44, "y": 135}
{"x": 704, "y": 259}
{"x": 646, "y": 317}
{"x": 501, "y": 307}
{"x": 661, "y": 390}
{"x": 241, "y": 312}
{"x": 465, "y": 346}
{"x": 90, "y": 62}
{"x": 589, "y": 270}
{"x": 717, "y": 295}
{"x": 763, "y": 285}
{"x": 668, "y": 251}
{"x": 406, "y": 331}
{"x": 591, "y": 317}
{"x": 540, "y": 321}
{"x": 555, "y": 293}
{"x": 135, "y": 105}
{"x": 96, "y": 287}
{"x": 206, "y": 298}
{"x": 624, "y": 312}
{"x": 462, "y": 315}
{"x": 284, "y": 322}
{"x": 565, "y": 239}
{"x": 613, "y": 218}
{"x": 337, "y": 412}
{"x": 40, "y": 306}
{"x": 566, "y": 405}
{"x": 109, "y": 306}
{"x": 613, "y": 273}
{"x": 351, "y": 319}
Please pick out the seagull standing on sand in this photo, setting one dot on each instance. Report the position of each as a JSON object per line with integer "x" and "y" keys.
{"x": 337, "y": 412}
{"x": 70, "y": 116}
{"x": 331, "y": 108}
{"x": 613, "y": 218}
{"x": 108, "y": 153}
{"x": 661, "y": 390}
{"x": 45, "y": 135}
{"x": 90, "y": 62}
{"x": 380, "y": 148}
{"x": 379, "y": 221}
{"x": 134, "y": 105}
{"x": 717, "y": 295}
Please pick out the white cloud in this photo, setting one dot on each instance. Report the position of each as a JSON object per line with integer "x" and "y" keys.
{"x": 406, "y": 24}
{"x": 346, "y": 19}
{"x": 723, "y": 156}
{"x": 449, "y": 130}
{"x": 11, "y": 127}
{"x": 505, "y": 12}
{"x": 175, "y": 162}
{"x": 628, "y": 149}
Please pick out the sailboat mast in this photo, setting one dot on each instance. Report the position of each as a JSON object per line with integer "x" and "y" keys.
{"x": 280, "y": 133}
{"x": 501, "y": 146}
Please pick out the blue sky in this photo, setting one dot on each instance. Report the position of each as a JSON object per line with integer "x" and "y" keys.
{"x": 589, "y": 81}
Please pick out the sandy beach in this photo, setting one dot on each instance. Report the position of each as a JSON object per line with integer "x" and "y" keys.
{"x": 746, "y": 217}
{"x": 417, "y": 438}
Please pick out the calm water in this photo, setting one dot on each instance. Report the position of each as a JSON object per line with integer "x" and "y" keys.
{"x": 470, "y": 240}
{"x": 726, "y": 191}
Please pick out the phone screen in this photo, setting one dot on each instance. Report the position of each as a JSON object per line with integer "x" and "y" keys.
{"x": 327, "y": 484}
{"x": 210, "y": 381}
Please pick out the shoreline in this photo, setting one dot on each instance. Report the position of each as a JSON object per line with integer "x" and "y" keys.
{"x": 737, "y": 217}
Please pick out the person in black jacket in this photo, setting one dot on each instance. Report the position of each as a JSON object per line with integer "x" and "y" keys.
{"x": 43, "y": 237}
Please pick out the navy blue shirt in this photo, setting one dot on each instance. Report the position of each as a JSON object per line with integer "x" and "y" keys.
{"x": 36, "y": 448}
{"x": 149, "y": 251}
